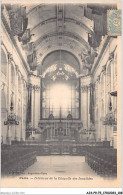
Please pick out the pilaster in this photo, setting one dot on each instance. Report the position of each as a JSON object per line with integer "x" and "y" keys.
{"x": 84, "y": 104}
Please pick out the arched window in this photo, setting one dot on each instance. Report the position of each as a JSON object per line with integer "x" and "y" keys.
{"x": 3, "y": 62}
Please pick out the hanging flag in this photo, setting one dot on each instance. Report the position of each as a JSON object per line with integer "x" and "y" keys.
{"x": 16, "y": 23}
{"x": 88, "y": 13}
{"x": 100, "y": 24}
{"x": 18, "y": 20}
{"x": 94, "y": 40}
{"x": 23, "y": 11}
{"x": 24, "y": 26}
{"x": 28, "y": 47}
{"x": 33, "y": 66}
{"x": 26, "y": 37}
{"x": 32, "y": 57}
{"x": 32, "y": 60}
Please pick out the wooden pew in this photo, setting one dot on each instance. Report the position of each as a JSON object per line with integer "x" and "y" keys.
{"x": 15, "y": 160}
{"x": 102, "y": 160}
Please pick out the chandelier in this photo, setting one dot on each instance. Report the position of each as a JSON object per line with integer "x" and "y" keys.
{"x": 110, "y": 118}
{"x": 11, "y": 119}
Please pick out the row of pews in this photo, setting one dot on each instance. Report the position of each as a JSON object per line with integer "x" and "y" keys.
{"x": 14, "y": 160}
{"x": 102, "y": 160}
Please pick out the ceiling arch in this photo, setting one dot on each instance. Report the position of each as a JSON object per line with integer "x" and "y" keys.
{"x": 70, "y": 20}
{"x": 59, "y": 27}
{"x": 60, "y": 57}
{"x": 51, "y": 23}
{"x": 66, "y": 27}
{"x": 74, "y": 36}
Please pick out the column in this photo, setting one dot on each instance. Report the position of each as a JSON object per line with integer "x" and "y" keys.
{"x": 32, "y": 107}
{"x": 105, "y": 128}
{"x": 84, "y": 106}
{"x": 25, "y": 94}
{"x": 16, "y": 104}
{"x": 54, "y": 128}
{"x": 112, "y": 99}
{"x": 51, "y": 129}
{"x": 88, "y": 105}
{"x": 34, "y": 89}
{"x": 8, "y": 138}
{"x": 99, "y": 109}
{"x": 22, "y": 87}
{"x": 29, "y": 107}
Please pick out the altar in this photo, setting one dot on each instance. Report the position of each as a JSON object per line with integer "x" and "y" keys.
{"x": 60, "y": 130}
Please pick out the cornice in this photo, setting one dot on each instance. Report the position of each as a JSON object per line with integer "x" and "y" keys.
{"x": 100, "y": 54}
{"x": 33, "y": 75}
{"x": 85, "y": 88}
{"x": 33, "y": 87}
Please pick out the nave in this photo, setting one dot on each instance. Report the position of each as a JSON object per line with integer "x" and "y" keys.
{"x": 60, "y": 90}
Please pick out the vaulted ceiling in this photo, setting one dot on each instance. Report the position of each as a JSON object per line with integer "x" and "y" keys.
{"x": 60, "y": 33}
{"x": 59, "y": 27}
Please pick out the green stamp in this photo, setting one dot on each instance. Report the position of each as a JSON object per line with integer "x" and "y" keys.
{"x": 114, "y": 22}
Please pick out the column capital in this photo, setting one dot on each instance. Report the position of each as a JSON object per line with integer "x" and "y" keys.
{"x": 17, "y": 68}
{"x": 111, "y": 56}
{"x": 104, "y": 69}
{"x": 92, "y": 85}
{"x": 84, "y": 88}
{"x": 36, "y": 87}
{"x": 23, "y": 79}
{"x": 29, "y": 86}
{"x": 98, "y": 78}
{"x": 10, "y": 58}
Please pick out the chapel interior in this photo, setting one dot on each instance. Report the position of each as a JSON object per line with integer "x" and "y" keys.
{"x": 58, "y": 85}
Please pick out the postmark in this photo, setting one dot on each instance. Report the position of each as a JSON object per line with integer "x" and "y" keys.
{"x": 114, "y": 22}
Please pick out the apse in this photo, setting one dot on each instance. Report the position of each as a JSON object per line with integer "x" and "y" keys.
{"x": 60, "y": 92}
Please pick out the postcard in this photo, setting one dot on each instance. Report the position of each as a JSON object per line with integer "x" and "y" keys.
{"x": 61, "y": 94}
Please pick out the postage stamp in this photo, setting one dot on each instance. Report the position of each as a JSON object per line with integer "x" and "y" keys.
{"x": 114, "y": 22}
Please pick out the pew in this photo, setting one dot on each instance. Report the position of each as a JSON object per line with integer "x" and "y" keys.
{"x": 15, "y": 160}
{"x": 102, "y": 160}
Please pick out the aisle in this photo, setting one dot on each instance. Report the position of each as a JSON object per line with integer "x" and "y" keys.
{"x": 58, "y": 171}
{"x": 61, "y": 165}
